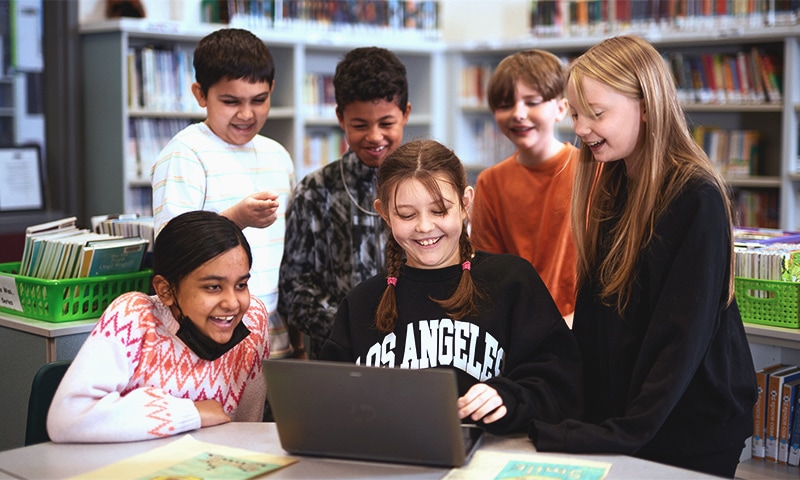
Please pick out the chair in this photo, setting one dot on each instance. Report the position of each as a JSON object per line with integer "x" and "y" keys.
{"x": 43, "y": 388}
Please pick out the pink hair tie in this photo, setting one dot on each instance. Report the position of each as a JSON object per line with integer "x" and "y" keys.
{"x": 391, "y": 281}
{"x": 466, "y": 266}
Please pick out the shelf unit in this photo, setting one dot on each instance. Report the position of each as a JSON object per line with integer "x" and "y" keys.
{"x": 778, "y": 124}
{"x": 111, "y": 185}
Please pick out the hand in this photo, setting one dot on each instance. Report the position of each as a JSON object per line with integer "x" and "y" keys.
{"x": 481, "y": 403}
{"x": 211, "y": 413}
{"x": 259, "y": 210}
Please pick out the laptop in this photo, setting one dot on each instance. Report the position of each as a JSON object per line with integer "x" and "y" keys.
{"x": 335, "y": 409}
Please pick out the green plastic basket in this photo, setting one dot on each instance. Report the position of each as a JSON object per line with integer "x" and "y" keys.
{"x": 73, "y": 298}
{"x": 768, "y": 302}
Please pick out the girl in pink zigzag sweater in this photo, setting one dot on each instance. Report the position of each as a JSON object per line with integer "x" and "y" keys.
{"x": 187, "y": 357}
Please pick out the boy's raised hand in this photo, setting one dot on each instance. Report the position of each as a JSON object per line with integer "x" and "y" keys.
{"x": 481, "y": 403}
{"x": 259, "y": 210}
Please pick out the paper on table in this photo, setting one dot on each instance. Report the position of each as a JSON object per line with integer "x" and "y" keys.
{"x": 495, "y": 465}
{"x": 188, "y": 456}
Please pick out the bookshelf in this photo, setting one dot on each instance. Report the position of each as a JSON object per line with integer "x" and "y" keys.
{"x": 117, "y": 179}
{"x": 768, "y": 194}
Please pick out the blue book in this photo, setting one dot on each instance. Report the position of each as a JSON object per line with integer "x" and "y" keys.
{"x": 113, "y": 256}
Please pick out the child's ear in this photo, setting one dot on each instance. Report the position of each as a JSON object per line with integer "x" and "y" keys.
{"x": 164, "y": 290}
{"x": 381, "y": 211}
{"x": 562, "y": 107}
{"x": 469, "y": 195}
{"x": 197, "y": 91}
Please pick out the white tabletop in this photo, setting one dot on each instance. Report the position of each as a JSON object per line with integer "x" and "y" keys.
{"x": 50, "y": 460}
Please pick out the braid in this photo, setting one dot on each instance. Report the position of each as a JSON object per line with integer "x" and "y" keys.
{"x": 386, "y": 314}
{"x": 464, "y": 300}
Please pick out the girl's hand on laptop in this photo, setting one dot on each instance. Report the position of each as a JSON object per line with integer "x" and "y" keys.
{"x": 481, "y": 403}
{"x": 211, "y": 413}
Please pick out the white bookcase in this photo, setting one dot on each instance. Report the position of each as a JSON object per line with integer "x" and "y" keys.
{"x": 115, "y": 184}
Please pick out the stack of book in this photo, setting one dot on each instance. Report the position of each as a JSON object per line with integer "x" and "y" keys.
{"x": 59, "y": 249}
{"x": 776, "y": 415}
{"x": 767, "y": 254}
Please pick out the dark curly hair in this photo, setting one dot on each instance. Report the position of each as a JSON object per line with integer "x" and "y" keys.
{"x": 370, "y": 73}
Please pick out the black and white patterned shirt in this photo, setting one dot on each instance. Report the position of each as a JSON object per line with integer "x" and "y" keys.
{"x": 334, "y": 240}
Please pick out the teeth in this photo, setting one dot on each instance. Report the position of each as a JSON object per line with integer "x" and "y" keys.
{"x": 594, "y": 144}
{"x": 425, "y": 243}
{"x": 229, "y": 318}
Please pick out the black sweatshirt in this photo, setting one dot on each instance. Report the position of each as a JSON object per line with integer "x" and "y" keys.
{"x": 518, "y": 344}
{"x": 673, "y": 377}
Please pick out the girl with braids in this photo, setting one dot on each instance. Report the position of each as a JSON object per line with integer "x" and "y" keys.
{"x": 443, "y": 305}
{"x": 667, "y": 369}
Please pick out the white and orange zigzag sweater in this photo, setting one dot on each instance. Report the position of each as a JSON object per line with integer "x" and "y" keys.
{"x": 133, "y": 379}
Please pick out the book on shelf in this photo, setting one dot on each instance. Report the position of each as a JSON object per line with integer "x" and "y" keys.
{"x": 744, "y": 77}
{"x": 775, "y": 384}
{"x": 794, "y": 437}
{"x": 159, "y": 79}
{"x": 758, "y": 445}
{"x": 319, "y": 98}
{"x": 603, "y": 17}
{"x": 788, "y": 401}
{"x": 412, "y": 18}
{"x": 756, "y": 207}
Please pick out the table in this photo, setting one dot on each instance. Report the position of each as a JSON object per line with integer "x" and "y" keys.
{"x": 51, "y": 460}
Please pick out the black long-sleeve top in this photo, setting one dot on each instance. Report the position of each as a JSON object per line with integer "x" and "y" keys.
{"x": 518, "y": 344}
{"x": 673, "y": 377}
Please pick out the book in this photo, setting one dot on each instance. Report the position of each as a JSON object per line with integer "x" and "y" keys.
{"x": 62, "y": 226}
{"x": 759, "y": 410}
{"x": 788, "y": 402}
{"x": 773, "y": 417}
{"x": 112, "y": 256}
{"x": 746, "y": 236}
{"x": 794, "y": 440}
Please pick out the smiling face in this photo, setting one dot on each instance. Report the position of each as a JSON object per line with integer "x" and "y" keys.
{"x": 529, "y": 122}
{"x": 236, "y": 109}
{"x": 428, "y": 234}
{"x": 213, "y": 296}
{"x": 610, "y": 122}
{"x": 373, "y": 129}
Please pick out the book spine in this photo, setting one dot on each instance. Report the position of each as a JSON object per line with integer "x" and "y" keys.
{"x": 787, "y": 403}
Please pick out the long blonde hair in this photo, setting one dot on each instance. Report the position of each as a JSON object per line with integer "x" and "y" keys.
{"x": 668, "y": 159}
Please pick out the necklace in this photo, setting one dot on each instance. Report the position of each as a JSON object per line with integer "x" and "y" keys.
{"x": 352, "y": 199}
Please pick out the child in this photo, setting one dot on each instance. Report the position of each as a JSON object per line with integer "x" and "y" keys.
{"x": 225, "y": 166}
{"x": 187, "y": 357}
{"x": 487, "y": 316}
{"x": 334, "y": 240}
{"x": 522, "y": 204}
{"x": 667, "y": 368}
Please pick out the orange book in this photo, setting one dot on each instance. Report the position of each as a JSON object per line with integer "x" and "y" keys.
{"x": 759, "y": 410}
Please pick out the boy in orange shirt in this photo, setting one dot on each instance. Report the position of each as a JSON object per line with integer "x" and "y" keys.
{"x": 522, "y": 204}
